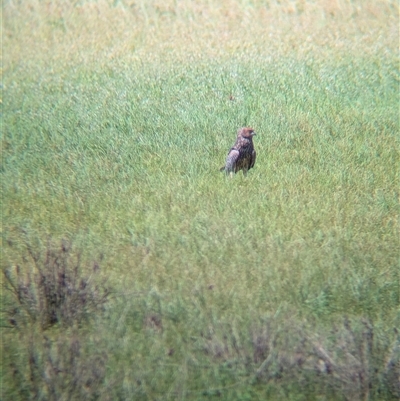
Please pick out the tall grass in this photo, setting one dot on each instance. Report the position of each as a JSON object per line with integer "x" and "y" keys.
{"x": 281, "y": 285}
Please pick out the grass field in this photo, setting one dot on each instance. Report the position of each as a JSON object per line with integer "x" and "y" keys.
{"x": 281, "y": 285}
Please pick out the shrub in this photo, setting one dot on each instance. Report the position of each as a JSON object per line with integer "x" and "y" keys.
{"x": 67, "y": 368}
{"x": 50, "y": 299}
{"x": 346, "y": 361}
{"x": 53, "y": 287}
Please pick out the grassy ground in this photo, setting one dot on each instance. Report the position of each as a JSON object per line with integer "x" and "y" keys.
{"x": 281, "y": 285}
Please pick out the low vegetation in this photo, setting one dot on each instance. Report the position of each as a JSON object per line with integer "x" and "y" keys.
{"x": 134, "y": 269}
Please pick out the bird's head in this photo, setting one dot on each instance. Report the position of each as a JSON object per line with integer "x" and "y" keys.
{"x": 246, "y": 132}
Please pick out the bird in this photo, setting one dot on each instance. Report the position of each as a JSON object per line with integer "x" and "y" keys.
{"x": 241, "y": 155}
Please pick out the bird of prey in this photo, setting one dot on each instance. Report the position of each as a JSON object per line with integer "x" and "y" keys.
{"x": 242, "y": 155}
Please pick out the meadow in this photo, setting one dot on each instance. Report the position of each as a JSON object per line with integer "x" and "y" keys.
{"x": 132, "y": 268}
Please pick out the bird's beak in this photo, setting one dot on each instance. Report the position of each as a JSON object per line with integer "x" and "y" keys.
{"x": 253, "y": 133}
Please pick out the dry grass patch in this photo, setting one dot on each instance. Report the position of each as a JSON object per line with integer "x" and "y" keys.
{"x": 101, "y": 32}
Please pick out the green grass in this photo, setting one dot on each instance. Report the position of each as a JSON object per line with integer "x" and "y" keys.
{"x": 123, "y": 156}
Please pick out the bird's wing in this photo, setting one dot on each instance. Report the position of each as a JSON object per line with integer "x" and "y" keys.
{"x": 253, "y": 159}
{"x": 231, "y": 160}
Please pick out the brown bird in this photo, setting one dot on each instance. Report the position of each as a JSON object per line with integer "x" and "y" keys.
{"x": 242, "y": 155}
